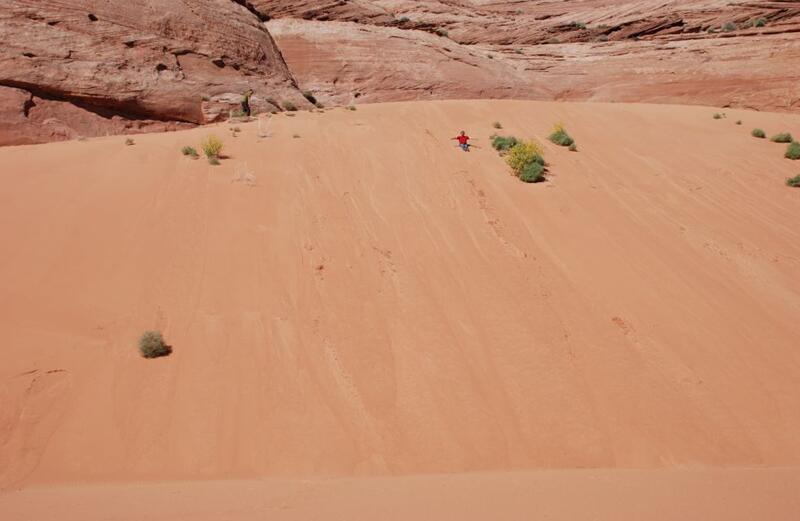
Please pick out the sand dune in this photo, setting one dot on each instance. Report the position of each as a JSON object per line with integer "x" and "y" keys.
{"x": 381, "y": 304}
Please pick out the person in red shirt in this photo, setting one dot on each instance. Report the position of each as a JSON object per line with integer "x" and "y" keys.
{"x": 463, "y": 141}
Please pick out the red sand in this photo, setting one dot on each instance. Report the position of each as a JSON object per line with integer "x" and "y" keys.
{"x": 382, "y": 304}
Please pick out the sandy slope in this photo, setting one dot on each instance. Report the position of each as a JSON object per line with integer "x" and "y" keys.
{"x": 382, "y": 304}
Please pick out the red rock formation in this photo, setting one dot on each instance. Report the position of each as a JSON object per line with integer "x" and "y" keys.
{"x": 741, "y": 54}
{"x": 90, "y": 67}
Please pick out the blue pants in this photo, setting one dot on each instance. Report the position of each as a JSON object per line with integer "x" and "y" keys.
{"x": 464, "y": 146}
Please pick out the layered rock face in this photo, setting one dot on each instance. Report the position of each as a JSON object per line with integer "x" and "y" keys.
{"x": 89, "y": 67}
{"x": 729, "y": 54}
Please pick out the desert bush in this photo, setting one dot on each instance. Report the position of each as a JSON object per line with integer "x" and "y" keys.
{"x": 717, "y": 115}
{"x": 728, "y": 27}
{"x": 404, "y": 20}
{"x": 130, "y": 142}
{"x": 532, "y": 173}
{"x": 307, "y": 94}
{"x": 793, "y": 151}
{"x": 189, "y": 151}
{"x": 738, "y": 121}
{"x": 523, "y": 154}
{"x": 288, "y": 105}
{"x": 213, "y": 161}
{"x": 497, "y": 125}
{"x": 503, "y": 143}
{"x": 151, "y": 345}
{"x": 783, "y": 137}
{"x": 238, "y": 113}
{"x": 757, "y": 132}
{"x": 759, "y": 22}
{"x": 351, "y": 107}
{"x": 212, "y": 146}
{"x": 578, "y": 25}
{"x": 573, "y": 148}
{"x": 793, "y": 181}
{"x": 559, "y": 136}
{"x": 295, "y": 136}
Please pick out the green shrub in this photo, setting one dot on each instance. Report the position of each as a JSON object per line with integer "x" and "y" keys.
{"x": 523, "y": 154}
{"x": 351, "y": 107}
{"x": 578, "y": 25}
{"x": 310, "y": 97}
{"x": 559, "y": 136}
{"x": 288, "y": 105}
{"x": 757, "y": 132}
{"x": 793, "y": 151}
{"x": 532, "y": 173}
{"x": 783, "y": 137}
{"x": 497, "y": 125}
{"x": 717, "y": 115}
{"x": 503, "y": 143}
{"x": 151, "y": 345}
{"x": 759, "y": 22}
{"x": 130, "y": 142}
{"x": 573, "y": 148}
{"x": 189, "y": 151}
{"x": 212, "y": 146}
{"x": 793, "y": 181}
{"x": 728, "y": 27}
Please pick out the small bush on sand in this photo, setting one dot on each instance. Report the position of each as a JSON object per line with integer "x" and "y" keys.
{"x": 189, "y": 151}
{"x": 559, "y": 136}
{"x": 793, "y": 181}
{"x": 532, "y": 173}
{"x": 793, "y": 151}
{"x": 212, "y": 146}
{"x": 503, "y": 143}
{"x": 578, "y": 25}
{"x": 728, "y": 27}
{"x": 351, "y": 107}
{"x": 759, "y": 22}
{"x": 717, "y": 115}
{"x": 738, "y": 121}
{"x": 288, "y": 105}
{"x": 295, "y": 136}
{"x": 757, "y": 132}
{"x": 783, "y": 137}
{"x": 151, "y": 345}
{"x": 497, "y": 125}
{"x": 573, "y": 148}
{"x": 213, "y": 161}
{"x": 129, "y": 142}
{"x": 523, "y": 154}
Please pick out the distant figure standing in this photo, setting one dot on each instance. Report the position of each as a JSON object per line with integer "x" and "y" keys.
{"x": 246, "y": 102}
{"x": 463, "y": 141}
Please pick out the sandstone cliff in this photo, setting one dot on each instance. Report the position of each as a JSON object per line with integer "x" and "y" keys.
{"x": 87, "y": 67}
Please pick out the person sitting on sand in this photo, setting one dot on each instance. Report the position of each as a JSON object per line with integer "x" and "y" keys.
{"x": 246, "y": 102}
{"x": 463, "y": 141}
